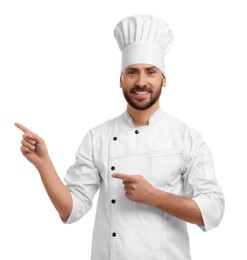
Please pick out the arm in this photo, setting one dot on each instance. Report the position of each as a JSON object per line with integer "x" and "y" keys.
{"x": 34, "y": 149}
{"x": 180, "y": 207}
{"x": 138, "y": 189}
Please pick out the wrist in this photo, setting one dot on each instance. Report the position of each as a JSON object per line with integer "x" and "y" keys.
{"x": 43, "y": 164}
{"x": 154, "y": 197}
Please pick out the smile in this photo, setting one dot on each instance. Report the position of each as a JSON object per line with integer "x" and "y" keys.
{"x": 141, "y": 92}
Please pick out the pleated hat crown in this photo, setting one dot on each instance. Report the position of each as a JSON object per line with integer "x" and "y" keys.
{"x": 143, "y": 39}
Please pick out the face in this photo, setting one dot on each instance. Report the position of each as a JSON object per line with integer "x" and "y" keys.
{"x": 142, "y": 85}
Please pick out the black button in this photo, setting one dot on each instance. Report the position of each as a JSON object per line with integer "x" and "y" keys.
{"x": 136, "y": 132}
{"x": 115, "y": 138}
{"x": 114, "y": 234}
{"x": 112, "y": 168}
{"x": 113, "y": 201}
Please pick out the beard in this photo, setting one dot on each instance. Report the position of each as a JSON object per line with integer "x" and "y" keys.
{"x": 142, "y": 103}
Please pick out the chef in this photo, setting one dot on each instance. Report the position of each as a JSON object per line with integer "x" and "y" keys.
{"x": 153, "y": 172}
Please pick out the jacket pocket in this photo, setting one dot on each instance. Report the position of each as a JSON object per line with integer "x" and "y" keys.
{"x": 166, "y": 166}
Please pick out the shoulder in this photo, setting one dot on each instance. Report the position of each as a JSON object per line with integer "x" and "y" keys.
{"x": 105, "y": 130}
{"x": 180, "y": 127}
{"x": 106, "y": 126}
{"x": 99, "y": 133}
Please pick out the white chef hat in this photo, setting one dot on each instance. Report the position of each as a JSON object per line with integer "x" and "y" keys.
{"x": 143, "y": 39}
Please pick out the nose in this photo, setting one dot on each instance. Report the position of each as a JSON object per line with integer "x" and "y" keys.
{"x": 141, "y": 80}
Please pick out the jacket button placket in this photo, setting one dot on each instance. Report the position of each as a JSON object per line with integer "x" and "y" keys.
{"x": 113, "y": 201}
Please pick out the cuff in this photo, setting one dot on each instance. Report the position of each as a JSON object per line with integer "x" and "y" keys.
{"x": 76, "y": 212}
{"x": 212, "y": 209}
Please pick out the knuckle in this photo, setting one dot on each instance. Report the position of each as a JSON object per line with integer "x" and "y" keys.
{"x": 22, "y": 150}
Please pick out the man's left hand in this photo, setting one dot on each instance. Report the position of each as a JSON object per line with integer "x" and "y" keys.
{"x": 136, "y": 187}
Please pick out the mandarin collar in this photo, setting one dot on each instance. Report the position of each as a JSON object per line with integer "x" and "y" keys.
{"x": 156, "y": 116}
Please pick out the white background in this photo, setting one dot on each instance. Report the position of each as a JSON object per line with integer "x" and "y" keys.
{"x": 59, "y": 76}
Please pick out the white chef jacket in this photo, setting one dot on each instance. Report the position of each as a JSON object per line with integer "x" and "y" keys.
{"x": 172, "y": 157}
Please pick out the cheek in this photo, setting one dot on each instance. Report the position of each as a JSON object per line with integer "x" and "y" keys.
{"x": 158, "y": 83}
{"x": 127, "y": 83}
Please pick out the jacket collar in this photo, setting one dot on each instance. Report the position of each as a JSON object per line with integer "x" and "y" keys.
{"x": 153, "y": 119}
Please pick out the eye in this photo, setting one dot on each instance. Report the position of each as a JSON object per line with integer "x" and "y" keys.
{"x": 131, "y": 72}
{"x": 152, "y": 71}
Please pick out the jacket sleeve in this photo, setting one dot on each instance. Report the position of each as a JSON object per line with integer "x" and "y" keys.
{"x": 82, "y": 179}
{"x": 200, "y": 182}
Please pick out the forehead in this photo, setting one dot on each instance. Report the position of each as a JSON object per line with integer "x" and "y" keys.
{"x": 141, "y": 67}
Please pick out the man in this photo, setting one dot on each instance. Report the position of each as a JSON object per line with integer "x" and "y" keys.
{"x": 154, "y": 173}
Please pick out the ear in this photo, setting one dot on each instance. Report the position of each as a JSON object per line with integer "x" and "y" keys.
{"x": 121, "y": 81}
{"x": 164, "y": 82}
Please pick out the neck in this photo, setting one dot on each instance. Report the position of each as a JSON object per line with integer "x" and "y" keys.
{"x": 141, "y": 117}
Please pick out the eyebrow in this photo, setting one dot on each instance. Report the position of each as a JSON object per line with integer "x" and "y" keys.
{"x": 147, "y": 68}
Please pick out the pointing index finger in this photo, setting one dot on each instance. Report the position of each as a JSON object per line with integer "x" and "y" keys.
{"x": 23, "y": 129}
{"x": 120, "y": 176}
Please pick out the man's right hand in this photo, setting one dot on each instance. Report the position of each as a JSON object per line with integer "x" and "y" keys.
{"x": 33, "y": 147}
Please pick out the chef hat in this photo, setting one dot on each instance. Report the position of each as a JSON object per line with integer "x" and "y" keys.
{"x": 143, "y": 39}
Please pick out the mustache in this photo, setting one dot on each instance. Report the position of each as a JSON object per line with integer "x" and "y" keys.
{"x": 141, "y": 89}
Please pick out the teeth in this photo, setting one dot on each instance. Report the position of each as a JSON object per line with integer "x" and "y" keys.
{"x": 141, "y": 93}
